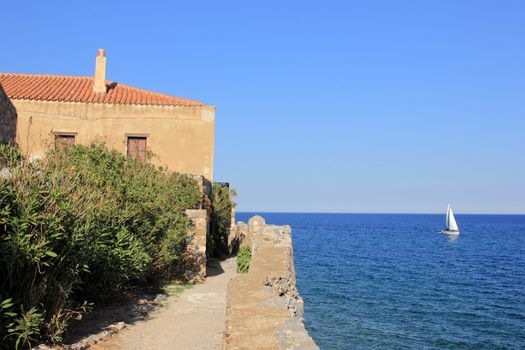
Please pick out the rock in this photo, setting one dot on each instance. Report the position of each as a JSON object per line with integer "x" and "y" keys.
{"x": 5, "y": 173}
{"x": 92, "y": 339}
{"x": 143, "y": 309}
{"x": 160, "y": 298}
{"x": 292, "y": 303}
{"x": 116, "y": 327}
{"x": 269, "y": 281}
{"x": 293, "y": 335}
{"x": 255, "y": 232}
{"x": 299, "y": 308}
{"x": 42, "y": 347}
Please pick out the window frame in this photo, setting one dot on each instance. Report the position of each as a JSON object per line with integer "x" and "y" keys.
{"x": 64, "y": 134}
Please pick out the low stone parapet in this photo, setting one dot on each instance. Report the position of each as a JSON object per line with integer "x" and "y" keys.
{"x": 264, "y": 309}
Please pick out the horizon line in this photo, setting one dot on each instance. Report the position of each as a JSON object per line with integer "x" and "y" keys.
{"x": 386, "y": 213}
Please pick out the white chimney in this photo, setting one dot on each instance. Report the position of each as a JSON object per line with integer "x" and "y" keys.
{"x": 99, "y": 86}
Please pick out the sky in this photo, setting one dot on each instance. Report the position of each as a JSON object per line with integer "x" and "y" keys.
{"x": 322, "y": 106}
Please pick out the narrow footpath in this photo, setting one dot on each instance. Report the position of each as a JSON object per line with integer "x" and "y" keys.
{"x": 192, "y": 320}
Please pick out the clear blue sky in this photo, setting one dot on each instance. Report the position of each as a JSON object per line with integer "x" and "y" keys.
{"x": 332, "y": 106}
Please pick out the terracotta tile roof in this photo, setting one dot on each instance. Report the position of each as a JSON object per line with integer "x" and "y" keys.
{"x": 61, "y": 88}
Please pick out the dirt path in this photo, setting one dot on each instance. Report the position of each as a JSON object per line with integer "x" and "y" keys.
{"x": 192, "y": 320}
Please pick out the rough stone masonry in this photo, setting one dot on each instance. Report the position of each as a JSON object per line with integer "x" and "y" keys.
{"x": 264, "y": 310}
{"x": 7, "y": 119}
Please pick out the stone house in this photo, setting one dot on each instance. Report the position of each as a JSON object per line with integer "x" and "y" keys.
{"x": 55, "y": 110}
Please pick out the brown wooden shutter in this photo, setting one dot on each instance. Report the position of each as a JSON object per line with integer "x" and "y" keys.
{"x": 62, "y": 141}
{"x": 137, "y": 147}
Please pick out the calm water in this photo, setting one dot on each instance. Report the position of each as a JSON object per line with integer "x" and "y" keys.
{"x": 376, "y": 281}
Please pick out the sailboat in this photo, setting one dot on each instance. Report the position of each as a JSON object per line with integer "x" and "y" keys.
{"x": 451, "y": 227}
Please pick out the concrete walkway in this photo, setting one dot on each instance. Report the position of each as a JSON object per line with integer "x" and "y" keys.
{"x": 191, "y": 320}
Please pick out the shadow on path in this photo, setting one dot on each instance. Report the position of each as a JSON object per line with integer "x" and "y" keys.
{"x": 213, "y": 266}
{"x": 192, "y": 320}
{"x": 133, "y": 307}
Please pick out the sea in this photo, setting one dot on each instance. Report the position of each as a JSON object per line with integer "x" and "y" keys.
{"x": 393, "y": 281}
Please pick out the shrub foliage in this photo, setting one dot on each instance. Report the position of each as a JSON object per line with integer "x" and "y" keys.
{"x": 244, "y": 257}
{"x": 221, "y": 214}
{"x": 85, "y": 223}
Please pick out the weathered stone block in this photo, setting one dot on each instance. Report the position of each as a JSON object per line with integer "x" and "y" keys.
{"x": 255, "y": 231}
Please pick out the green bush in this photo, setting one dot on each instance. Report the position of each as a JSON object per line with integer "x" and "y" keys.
{"x": 244, "y": 257}
{"x": 222, "y": 205}
{"x": 9, "y": 156}
{"x": 84, "y": 223}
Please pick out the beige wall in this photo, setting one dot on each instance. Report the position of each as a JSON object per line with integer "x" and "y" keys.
{"x": 181, "y": 137}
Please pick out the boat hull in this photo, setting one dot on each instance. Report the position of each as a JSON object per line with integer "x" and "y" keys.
{"x": 448, "y": 232}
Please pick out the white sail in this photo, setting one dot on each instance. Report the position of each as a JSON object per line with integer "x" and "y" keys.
{"x": 451, "y": 224}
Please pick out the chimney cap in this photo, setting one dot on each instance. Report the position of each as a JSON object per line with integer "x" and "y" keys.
{"x": 101, "y": 53}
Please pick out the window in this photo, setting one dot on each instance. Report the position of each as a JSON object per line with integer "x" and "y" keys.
{"x": 64, "y": 140}
{"x": 137, "y": 147}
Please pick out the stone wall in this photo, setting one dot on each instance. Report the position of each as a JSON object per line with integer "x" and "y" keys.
{"x": 245, "y": 234}
{"x": 264, "y": 309}
{"x": 234, "y": 238}
{"x": 7, "y": 119}
{"x": 196, "y": 269}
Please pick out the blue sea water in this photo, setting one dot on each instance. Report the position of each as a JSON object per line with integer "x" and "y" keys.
{"x": 389, "y": 281}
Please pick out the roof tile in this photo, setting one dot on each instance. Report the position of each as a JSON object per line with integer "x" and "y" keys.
{"x": 62, "y": 88}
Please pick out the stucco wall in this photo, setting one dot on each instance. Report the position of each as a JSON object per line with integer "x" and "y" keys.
{"x": 181, "y": 137}
{"x": 7, "y": 118}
